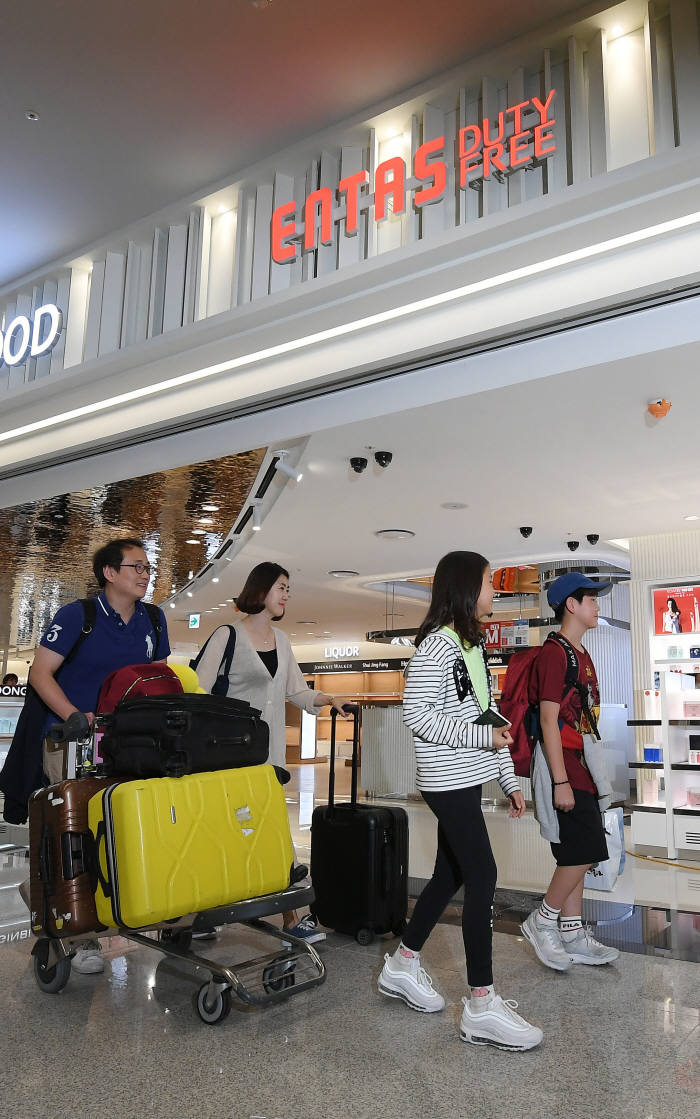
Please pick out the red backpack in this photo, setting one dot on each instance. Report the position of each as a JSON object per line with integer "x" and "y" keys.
{"x": 136, "y": 680}
{"x": 515, "y": 703}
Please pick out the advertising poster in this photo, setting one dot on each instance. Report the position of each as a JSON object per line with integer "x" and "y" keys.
{"x": 677, "y": 610}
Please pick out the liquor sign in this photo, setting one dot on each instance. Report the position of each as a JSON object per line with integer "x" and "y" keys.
{"x": 312, "y": 668}
{"x": 677, "y": 610}
{"x": 24, "y": 336}
{"x": 522, "y": 137}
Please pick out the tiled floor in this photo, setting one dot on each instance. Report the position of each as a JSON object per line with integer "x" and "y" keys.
{"x": 619, "y": 1041}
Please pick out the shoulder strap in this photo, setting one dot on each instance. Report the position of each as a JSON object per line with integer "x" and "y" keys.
{"x": 225, "y": 666}
{"x": 89, "y": 618}
{"x": 153, "y": 616}
{"x": 571, "y": 678}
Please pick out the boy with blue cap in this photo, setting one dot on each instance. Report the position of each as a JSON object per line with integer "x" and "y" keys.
{"x": 575, "y": 827}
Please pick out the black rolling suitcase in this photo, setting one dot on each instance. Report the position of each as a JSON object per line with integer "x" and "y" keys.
{"x": 170, "y": 735}
{"x": 359, "y": 859}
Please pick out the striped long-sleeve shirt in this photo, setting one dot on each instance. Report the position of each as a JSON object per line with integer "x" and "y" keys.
{"x": 452, "y": 750}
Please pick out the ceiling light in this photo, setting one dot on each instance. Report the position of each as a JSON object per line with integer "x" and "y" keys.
{"x": 193, "y": 542}
{"x": 290, "y": 471}
{"x": 692, "y": 517}
{"x": 616, "y": 30}
{"x": 199, "y": 532}
{"x": 171, "y": 605}
{"x": 206, "y": 520}
{"x": 394, "y": 533}
{"x": 453, "y": 505}
{"x": 343, "y": 573}
{"x": 210, "y": 508}
{"x": 215, "y": 579}
{"x": 257, "y": 514}
{"x": 31, "y": 115}
{"x": 189, "y": 594}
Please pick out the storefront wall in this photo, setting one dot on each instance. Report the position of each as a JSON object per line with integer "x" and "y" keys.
{"x": 187, "y": 319}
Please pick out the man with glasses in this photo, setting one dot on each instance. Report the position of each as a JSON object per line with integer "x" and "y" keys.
{"x": 125, "y": 632}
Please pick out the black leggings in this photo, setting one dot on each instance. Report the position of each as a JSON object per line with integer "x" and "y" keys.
{"x": 464, "y": 856}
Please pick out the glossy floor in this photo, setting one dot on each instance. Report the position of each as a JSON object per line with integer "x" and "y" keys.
{"x": 622, "y": 1040}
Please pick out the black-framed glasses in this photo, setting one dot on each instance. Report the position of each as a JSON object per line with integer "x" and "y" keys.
{"x": 139, "y": 568}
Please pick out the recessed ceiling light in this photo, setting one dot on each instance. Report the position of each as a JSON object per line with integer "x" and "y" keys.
{"x": 193, "y": 542}
{"x": 215, "y": 579}
{"x": 206, "y": 520}
{"x": 222, "y": 604}
{"x": 692, "y": 517}
{"x": 343, "y": 573}
{"x": 31, "y": 115}
{"x": 171, "y": 605}
{"x": 189, "y": 594}
{"x": 453, "y": 505}
{"x": 199, "y": 532}
{"x": 395, "y": 533}
{"x": 210, "y": 508}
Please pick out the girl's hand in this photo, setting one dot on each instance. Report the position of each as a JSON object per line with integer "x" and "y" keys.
{"x": 502, "y": 738}
{"x": 517, "y": 804}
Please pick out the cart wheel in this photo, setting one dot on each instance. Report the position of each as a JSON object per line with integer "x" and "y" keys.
{"x": 399, "y": 929}
{"x": 215, "y": 1011}
{"x": 51, "y": 980}
{"x": 277, "y": 977}
{"x": 364, "y": 936}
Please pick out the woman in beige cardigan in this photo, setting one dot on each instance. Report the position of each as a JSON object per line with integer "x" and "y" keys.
{"x": 265, "y": 673}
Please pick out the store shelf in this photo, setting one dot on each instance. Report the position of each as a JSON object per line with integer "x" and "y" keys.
{"x": 689, "y": 767}
{"x": 687, "y": 810}
{"x": 684, "y": 722}
{"x": 660, "y": 807}
{"x": 679, "y": 660}
{"x": 647, "y": 765}
{"x": 644, "y": 722}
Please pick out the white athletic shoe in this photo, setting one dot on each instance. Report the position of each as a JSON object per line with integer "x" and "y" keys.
{"x": 585, "y": 949}
{"x": 547, "y": 943}
{"x": 411, "y": 983}
{"x": 88, "y": 959}
{"x": 498, "y": 1024}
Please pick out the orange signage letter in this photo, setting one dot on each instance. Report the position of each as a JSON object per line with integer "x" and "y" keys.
{"x": 351, "y": 186}
{"x": 519, "y": 148}
{"x": 469, "y": 144}
{"x": 543, "y": 109}
{"x": 493, "y": 156}
{"x": 395, "y": 186}
{"x": 324, "y": 200}
{"x": 281, "y": 253}
{"x": 436, "y": 171}
{"x": 543, "y": 133}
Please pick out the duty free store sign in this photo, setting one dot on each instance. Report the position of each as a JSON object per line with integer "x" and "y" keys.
{"x": 522, "y": 136}
{"x": 25, "y": 337}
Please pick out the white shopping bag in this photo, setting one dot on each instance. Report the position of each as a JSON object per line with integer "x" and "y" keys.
{"x": 603, "y": 876}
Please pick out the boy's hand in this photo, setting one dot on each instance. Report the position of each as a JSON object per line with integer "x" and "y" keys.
{"x": 564, "y": 797}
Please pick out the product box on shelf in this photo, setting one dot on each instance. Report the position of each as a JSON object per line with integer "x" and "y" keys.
{"x": 691, "y": 709}
{"x": 653, "y": 754}
{"x": 694, "y": 797}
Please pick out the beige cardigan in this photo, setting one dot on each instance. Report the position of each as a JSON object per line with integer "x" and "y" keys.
{"x": 249, "y": 679}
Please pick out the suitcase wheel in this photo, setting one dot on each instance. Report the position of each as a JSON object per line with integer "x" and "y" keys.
{"x": 51, "y": 980}
{"x": 279, "y": 976}
{"x": 212, "y": 1009}
{"x": 364, "y": 936}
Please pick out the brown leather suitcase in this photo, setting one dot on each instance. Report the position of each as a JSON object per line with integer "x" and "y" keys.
{"x": 61, "y": 858}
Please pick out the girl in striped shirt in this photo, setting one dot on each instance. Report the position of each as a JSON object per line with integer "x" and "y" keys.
{"x": 449, "y": 707}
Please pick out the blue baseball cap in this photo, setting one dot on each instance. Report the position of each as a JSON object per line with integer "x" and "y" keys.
{"x": 565, "y": 585}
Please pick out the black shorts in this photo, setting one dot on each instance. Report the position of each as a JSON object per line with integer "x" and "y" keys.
{"x": 581, "y": 833}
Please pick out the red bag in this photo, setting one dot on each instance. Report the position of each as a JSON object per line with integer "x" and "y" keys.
{"x": 514, "y": 703}
{"x": 137, "y": 680}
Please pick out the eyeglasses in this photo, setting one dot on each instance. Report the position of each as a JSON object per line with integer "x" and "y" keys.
{"x": 139, "y": 568}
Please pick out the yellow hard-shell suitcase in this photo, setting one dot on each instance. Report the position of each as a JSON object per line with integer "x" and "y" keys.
{"x": 169, "y": 846}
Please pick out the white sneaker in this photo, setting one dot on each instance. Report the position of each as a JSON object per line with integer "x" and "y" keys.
{"x": 547, "y": 943}
{"x": 498, "y": 1025}
{"x": 88, "y": 959}
{"x": 411, "y": 983}
{"x": 585, "y": 949}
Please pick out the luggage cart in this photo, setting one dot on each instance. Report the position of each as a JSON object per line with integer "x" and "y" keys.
{"x": 294, "y": 967}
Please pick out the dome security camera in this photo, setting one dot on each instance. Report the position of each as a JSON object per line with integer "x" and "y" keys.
{"x": 526, "y": 531}
{"x": 358, "y": 463}
{"x": 383, "y": 458}
{"x": 593, "y": 537}
{"x": 572, "y": 545}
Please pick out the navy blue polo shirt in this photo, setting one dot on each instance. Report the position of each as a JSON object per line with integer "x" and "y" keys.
{"x": 112, "y": 644}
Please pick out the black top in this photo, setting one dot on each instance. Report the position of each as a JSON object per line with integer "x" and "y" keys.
{"x": 269, "y": 659}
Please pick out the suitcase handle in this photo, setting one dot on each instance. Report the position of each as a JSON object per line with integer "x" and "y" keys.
{"x": 354, "y": 710}
{"x": 100, "y": 839}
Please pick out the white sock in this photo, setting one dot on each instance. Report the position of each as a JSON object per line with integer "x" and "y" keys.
{"x": 480, "y": 1002}
{"x": 405, "y": 956}
{"x": 570, "y": 927}
{"x": 546, "y": 915}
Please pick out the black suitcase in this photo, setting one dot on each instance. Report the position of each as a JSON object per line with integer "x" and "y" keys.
{"x": 170, "y": 735}
{"x": 359, "y": 859}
